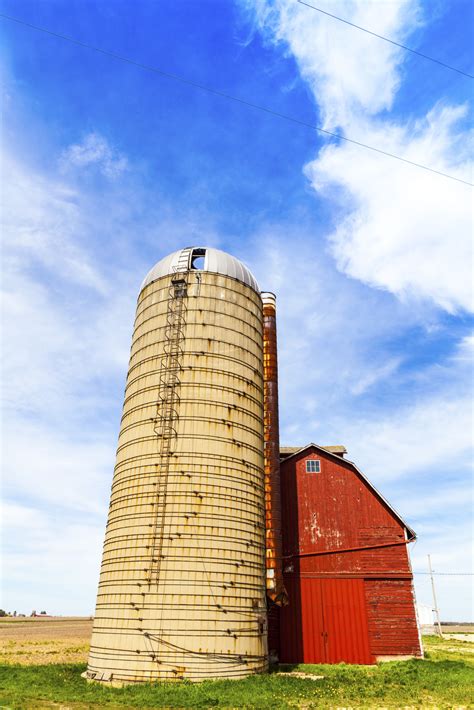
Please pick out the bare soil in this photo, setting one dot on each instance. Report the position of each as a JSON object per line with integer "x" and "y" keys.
{"x": 457, "y": 628}
{"x": 36, "y": 641}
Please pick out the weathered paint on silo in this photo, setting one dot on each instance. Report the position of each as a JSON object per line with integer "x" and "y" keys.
{"x": 182, "y": 584}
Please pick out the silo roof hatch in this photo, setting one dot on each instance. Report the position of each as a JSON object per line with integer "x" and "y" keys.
{"x": 204, "y": 259}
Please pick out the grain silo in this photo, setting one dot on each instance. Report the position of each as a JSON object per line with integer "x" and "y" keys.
{"x": 182, "y": 583}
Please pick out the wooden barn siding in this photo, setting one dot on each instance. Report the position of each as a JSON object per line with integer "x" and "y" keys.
{"x": 336, "y": 509}
{"x": 392, "y": 624}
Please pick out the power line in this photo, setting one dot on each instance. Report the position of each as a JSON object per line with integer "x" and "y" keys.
{"x": 386, "y": 39}
{"x": 449, "y": 574}
{"x": 230, "y": 97}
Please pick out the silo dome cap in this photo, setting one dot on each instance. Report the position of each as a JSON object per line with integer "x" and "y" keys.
{"x": 202, "y": 259}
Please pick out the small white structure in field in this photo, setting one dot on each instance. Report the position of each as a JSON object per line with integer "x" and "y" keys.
{"x": 426, "y": 618}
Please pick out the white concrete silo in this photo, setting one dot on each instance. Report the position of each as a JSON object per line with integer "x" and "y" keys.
{"x": 182, "y": 583}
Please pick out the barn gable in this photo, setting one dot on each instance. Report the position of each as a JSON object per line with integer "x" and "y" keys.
{"x": 336, "y": 453}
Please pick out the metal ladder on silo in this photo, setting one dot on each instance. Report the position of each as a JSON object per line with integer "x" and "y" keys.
{"x": 168, "y": 403}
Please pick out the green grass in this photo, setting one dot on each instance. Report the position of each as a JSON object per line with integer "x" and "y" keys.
{"x": 444, "y": 680}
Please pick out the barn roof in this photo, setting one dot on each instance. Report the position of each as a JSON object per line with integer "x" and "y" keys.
{"x": 337, "y": 452}
{"x": 286, "y": 451}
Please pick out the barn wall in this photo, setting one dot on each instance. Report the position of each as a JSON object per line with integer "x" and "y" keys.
{"x": 393, "y": 629}
{"x": 333, "y": 512}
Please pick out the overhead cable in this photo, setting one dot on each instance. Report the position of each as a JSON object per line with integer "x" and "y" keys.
{"x": 230, "y": 97}
{"x": 386, "y": 39}
{"x": 449, "y": 574}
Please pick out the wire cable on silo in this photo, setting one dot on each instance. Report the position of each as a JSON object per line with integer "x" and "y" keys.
{"x": 196, "y": 539}
{"x": 221, "y": 459}
{"x": 233, "y": 658}
{"x": 238, "y": 657}
{"x": 219, "y": 606}
{"x": 128, "y": 493}
{"x": 212, "y": 305}
{"x": 228, "y": 469}
{"x": 230, "y": 97}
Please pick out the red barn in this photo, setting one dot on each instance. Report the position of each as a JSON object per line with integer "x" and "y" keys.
{"x": 346, "y": 565}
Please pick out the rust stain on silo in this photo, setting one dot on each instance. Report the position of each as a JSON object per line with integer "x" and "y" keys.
{"x": 274, "y": 576}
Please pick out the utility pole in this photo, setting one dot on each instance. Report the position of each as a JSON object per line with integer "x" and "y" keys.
{"x": 435, "y": 603}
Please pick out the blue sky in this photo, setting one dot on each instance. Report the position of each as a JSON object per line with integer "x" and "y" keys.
{"x": 108, "y": 167}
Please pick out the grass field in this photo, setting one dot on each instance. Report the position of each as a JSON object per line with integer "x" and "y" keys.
{"x": 41, "y": 663}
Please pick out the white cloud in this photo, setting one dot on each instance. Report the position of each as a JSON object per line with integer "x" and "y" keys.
{"x": 374, "y": 375}
{"x": 52, "y": 561}
{"x": 95, "y": 151}
{"x": 465, "y": 349}
{"x": 399, "y": 228}
{"x": 403, "y": 229}
{"x": 50, "y": 467}
{"x": 420, "y": 437}
{"x": 59, "y": 309}
{"x": 427, "y": 504}
{"x": 41, "y": 224}
{"x": 348, "y": 72}
{"x": 329, "y": 329}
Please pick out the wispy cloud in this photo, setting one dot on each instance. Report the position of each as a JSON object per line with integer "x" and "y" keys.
{"x": 465, "y": 350}
{"x": 95, "y": 151}
{"x": 41, "y": 226}
{"x": 66, "y": 329}
{"x": 59, "y": 307}
{"x": 52, "y": 561}
{"x": 425, "y": 504}
{"x": 422, "y": 437}
{"x": 333, "y": 331}
{"x": 374, "y": 375}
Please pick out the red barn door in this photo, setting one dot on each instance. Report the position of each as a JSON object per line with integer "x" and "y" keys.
{"x": 345, "y": 621}
{"x": 325, "y": 622}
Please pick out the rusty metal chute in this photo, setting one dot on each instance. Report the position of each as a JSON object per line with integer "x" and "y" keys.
{"x": 276, "y": 591}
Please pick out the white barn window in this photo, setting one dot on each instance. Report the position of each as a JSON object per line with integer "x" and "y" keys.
{"x": 313, "y": 466}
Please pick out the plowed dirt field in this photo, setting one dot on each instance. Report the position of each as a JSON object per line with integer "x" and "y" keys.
{"x": 35, "y": 641}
